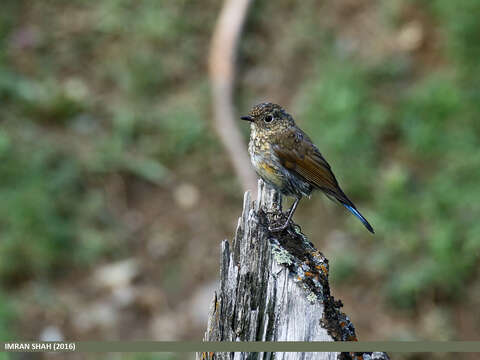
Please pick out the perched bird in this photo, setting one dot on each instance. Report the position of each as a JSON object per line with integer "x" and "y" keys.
{"x": 285, "y": 157}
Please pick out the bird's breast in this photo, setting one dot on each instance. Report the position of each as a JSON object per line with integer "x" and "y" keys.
{"x": 265, "y": 163}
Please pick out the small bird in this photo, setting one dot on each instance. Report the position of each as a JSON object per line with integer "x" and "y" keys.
{"x": 285, "y": 157}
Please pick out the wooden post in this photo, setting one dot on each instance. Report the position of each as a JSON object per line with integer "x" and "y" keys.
{"x": 274, "y": 287}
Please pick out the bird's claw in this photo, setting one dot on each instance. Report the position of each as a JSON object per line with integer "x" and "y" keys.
{"x": 279, "y": 228}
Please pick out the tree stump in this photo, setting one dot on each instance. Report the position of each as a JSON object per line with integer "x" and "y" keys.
{"x": 274, "y": 287}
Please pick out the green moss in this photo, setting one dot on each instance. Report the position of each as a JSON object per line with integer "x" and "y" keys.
{"x": 312, "y": 297}
{"x": 281, "y": 256}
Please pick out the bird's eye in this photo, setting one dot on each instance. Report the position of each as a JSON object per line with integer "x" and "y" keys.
{"x": 268, "y": 118}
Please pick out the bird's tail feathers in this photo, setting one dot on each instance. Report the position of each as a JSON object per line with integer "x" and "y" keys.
{"x": 360, "y": 216}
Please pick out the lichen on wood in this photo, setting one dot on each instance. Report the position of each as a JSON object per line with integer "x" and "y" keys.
{"x": 274, "y": 287}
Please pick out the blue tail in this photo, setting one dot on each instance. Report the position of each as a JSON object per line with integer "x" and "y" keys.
{"x": 358, "y": 215}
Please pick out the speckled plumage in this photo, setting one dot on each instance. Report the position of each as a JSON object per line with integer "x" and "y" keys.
{"x": 285, "y": 157}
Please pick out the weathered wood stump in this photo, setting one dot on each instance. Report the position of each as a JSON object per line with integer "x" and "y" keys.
{"x": 274, "y": 287}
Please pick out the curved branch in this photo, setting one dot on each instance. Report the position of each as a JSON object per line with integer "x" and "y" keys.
{"x": 222, "y": 73}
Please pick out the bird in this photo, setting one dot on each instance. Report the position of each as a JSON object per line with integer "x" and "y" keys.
{"x": 285, "y": 157}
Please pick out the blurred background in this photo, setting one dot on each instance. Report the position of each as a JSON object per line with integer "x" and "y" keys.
{"x": 116, "y": 192}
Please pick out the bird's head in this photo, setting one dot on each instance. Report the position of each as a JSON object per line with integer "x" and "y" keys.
{"x": 269, "y": 118}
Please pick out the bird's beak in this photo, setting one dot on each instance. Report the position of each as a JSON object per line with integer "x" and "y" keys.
{"x": 247, "y": 118}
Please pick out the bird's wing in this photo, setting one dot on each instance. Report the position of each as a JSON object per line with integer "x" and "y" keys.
{"x": 298, "y": 154}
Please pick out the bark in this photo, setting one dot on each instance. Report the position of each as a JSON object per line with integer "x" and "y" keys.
{"x": 274, "y": 287}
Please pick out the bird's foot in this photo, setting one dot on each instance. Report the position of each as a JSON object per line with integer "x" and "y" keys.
{"x": 279, "y": 228}
{"x": 295, "y": 229}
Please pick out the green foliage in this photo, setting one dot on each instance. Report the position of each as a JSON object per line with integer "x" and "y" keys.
{"x": 461, "y": 29}
{"x": 59, "y": 140}
{"x": 7, "y": 316}
{"x": 42, "y": 196}
{"x": 427, "y": 114}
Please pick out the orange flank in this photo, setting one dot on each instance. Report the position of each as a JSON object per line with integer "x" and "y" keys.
{"x": 268, "y": 168}
{"x": 269, "y": 172}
